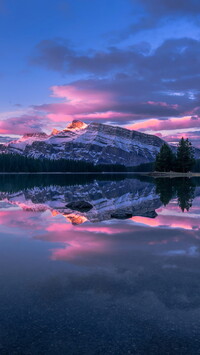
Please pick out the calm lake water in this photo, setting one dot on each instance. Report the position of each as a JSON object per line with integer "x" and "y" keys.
{"x": 119, "y": 276}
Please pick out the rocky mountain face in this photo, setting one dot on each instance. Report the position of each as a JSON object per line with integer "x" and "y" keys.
{"x": 103, "y": 200}
{"x": 96, "y": 143}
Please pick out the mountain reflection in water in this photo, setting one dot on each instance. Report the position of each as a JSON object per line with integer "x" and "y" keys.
{"x": 117, "y": 273}
{"x": 119, "y": 199}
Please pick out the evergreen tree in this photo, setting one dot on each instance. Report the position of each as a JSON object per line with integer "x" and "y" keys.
{"x": 164, "y": 159}
{"x": 185, "y": 156}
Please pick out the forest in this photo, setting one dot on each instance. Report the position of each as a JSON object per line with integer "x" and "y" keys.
{"x": 18, "y": 163}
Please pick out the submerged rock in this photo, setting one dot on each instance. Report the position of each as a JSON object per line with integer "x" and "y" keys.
{"x": 81, "y": 206}
{"x": 149, "y": 214}
{"x": 121, "y": 215}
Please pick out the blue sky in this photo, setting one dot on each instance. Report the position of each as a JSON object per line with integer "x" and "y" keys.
{"x": 23, "y": 24}
{"x": 134, "y": 63}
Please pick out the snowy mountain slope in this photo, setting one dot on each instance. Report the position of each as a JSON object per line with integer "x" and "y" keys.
{"x": 96, "y": 143}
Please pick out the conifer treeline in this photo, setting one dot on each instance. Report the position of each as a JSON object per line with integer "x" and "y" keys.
{"x": 18, "y": 163}
{"x": 183, "y": 161}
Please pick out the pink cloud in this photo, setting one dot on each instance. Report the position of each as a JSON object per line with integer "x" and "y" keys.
{"x": 77, "y": 94}
{"x": 83, "y": 100}
{"x": 81, "y": 103}
{"x": 162, "y": 104}
{"x": 91, "y": 104}
{"x": 23, "y": 124}
{"x": 165, "y": 125}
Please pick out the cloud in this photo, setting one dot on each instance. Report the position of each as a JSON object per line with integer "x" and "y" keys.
{"x": 53, "y": 54}
{"x": 154, "y": 76}
{"x": 176, "y": 56}
{"x": 5, "y": 139}
{"x": 171, "y": 129}
{"x": 56, "y": 54}
{"x": 85, "y": 101}
{"x": 120, "y": 86}
{"x": 193, "y": 136}
{"x": 22, "y": 124}
{"x": 88, "y": 101}
{"x": 151, "y": 14}
{"x": 170, "y": 124}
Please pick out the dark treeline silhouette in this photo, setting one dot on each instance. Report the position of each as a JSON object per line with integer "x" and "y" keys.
{"x": 148, "y": 167}
{"x": 181, "y": 188}
{"x": 183, "y": 161}
{"x": 18, "y": 163}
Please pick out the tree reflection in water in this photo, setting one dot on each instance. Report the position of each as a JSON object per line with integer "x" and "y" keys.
{"x": 181, "y": 188}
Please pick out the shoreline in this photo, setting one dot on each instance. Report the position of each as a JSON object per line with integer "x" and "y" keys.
{"x": 172, "y": 174}
{"x": 71, "y": 173}
{"x": 151, "y": 174}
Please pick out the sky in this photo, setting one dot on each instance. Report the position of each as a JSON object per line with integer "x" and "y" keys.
{"x": 131, "y": 63}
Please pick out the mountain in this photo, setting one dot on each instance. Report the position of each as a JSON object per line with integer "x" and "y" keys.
{"x": 96, "y": 143}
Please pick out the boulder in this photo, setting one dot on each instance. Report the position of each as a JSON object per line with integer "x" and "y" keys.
{"x": 81, "y": 206}
{"x": 121, "y": 215}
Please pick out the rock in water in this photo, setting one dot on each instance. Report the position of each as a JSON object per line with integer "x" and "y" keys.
{"x": 81, "y": 206}
{"x": 121, "y": 215}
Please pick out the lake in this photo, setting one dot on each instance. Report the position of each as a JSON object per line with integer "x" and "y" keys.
{"x": 99, "y": 264}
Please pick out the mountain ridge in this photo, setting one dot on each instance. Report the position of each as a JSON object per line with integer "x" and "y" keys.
{"x": 97, "y": 143}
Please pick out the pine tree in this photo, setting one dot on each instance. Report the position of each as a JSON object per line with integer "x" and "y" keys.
{"x": 185, "y": 156}
{"x": 164, "y": 159}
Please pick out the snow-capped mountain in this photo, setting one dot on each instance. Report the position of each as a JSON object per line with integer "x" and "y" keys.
{"x": 97, "y": 143}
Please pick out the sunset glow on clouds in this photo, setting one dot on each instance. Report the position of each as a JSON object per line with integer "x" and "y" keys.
{"x": 112, "y": 68}
{"x": 90, "y": 105}
{"x": 166, "y": 125}
{"x": 171, "y": 129}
